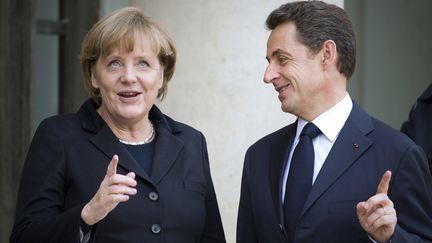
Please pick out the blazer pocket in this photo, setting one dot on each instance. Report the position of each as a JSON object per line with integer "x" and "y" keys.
{"x": 347, "y": 207}
{"x": 194, "y": 186}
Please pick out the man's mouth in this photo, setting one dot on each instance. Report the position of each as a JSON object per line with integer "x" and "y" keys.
{"x": 280, "y": 89}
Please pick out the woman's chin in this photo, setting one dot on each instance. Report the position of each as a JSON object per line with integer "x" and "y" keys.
{"x": 132, "y": 114}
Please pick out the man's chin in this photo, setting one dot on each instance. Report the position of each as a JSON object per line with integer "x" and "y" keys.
{"x": 285, "y": 109}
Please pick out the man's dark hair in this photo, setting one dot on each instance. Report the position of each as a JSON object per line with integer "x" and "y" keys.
{"x": 317, "y": 22}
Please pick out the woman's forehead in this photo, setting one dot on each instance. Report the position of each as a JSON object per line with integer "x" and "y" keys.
{"x": 138, "y": 41}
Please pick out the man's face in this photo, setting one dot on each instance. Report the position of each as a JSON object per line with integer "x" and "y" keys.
{"x": 294, "y": 71}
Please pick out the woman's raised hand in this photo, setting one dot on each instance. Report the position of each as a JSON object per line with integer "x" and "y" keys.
{"x": 115, "y": 188}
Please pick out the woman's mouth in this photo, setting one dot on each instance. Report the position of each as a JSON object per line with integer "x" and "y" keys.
{"x": 128, "y": 94}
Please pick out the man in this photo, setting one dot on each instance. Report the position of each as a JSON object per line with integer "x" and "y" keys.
{"x": 419, "y": 124}
{"x": 345, "y": 177}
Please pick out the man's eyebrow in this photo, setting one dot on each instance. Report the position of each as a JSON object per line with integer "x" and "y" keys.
{"x": 278, "y": 52}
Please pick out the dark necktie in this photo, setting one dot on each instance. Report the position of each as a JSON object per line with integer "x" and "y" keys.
{"x": 299, "y": 181}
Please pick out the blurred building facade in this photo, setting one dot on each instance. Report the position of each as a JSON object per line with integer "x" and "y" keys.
{"x": 217, "y": 86}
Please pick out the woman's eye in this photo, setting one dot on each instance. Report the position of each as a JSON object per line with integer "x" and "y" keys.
{"x": 114, "y": 64}
{"x": 143, "y": 64}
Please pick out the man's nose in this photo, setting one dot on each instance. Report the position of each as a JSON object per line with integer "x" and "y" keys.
{"x": 271, "y": 73}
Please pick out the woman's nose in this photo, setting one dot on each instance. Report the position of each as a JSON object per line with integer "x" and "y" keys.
{"x": 129, "y": 74}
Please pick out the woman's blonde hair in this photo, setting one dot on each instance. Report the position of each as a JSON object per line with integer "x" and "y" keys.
{"x": 117, "y": 30}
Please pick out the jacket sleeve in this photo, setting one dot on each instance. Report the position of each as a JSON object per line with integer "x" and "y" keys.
{"x": 418, "y": 127}
{"x": 40, "y": 214}
{"x": 245, "y": 222}
{"x": 407, "y": 126}
{"x": 411, "y": 193}
{"x": 213, "y": 229}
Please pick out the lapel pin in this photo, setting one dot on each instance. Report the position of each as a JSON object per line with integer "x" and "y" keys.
{"x": 356, "y": 146}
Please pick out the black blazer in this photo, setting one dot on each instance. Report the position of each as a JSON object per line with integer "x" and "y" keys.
{"x": 363, "y": 151}
{"x": 419, "y": 124}
{"x": 68, "y": 159}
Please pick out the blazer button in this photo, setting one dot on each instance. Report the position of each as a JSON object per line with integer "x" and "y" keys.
{"x": 153, "y": 196}
{"x": 156, "y": 229}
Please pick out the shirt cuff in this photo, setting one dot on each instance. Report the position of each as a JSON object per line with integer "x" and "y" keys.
{"x": 85, "y": 232}
{"x": 374, "y": 241}
{"x": 84, "y": 238}
{"x": 371, "y": 239}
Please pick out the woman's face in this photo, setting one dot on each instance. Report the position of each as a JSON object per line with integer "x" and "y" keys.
{"x": 128, "y": 82}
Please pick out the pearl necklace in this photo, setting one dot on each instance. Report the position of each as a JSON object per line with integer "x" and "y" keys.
{"x": 147, "y": 140}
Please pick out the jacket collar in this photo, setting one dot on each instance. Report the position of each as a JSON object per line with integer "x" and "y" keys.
{"x": 167, "y": 148}
{"x": 93, "y": 122}
{"x": 427, "y": 94}
{"x": 279, "y": 151}
{"x": 352, "y": 142}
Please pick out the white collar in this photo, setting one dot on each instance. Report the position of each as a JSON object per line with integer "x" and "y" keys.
{"x": 331, "y": 121}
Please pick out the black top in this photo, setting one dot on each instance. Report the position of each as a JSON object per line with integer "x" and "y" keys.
{"x": 419, "y": 124}
{"x": 143, "y": 154}
{"x": 68, "y": 160}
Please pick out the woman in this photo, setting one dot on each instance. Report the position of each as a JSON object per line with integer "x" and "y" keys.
{"x": 119, "y": 170}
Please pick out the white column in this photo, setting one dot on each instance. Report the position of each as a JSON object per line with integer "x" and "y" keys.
{"x": 217, "y": 87}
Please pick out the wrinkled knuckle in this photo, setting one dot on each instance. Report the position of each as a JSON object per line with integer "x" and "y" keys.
{"x": 114, "y": 178}
{"x": 131, "y": 181}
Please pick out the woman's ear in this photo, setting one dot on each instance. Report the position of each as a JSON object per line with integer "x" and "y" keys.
{"x": 329, "y": 52}
{"x": 93, "y": 80}
{"x": 161, "y": 79}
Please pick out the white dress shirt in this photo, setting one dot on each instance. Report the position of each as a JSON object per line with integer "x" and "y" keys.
{"x": 330, "y": 123}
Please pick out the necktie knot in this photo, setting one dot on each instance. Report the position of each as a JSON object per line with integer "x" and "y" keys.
{"x": 310, "y": 130}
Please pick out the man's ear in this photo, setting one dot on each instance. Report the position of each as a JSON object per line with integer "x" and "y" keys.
{"x": 328, "y": 52}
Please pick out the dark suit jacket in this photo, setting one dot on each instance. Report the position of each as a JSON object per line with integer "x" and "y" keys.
{"x": 68, "y": 159}
{"x": 419, "y": 124}
{"x": 363, "y": 151}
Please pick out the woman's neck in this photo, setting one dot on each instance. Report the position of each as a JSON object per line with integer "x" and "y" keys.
{"x": 129, "y": 131}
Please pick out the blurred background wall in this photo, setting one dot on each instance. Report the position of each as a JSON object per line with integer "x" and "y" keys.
{"x": 394, "y": 49}
{"x": 217, "y": 86}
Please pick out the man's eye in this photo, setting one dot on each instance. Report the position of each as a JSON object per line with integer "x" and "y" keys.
{"x": 282, "y": 59}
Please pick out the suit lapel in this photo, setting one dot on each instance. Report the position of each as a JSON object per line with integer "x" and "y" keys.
{"x": 351, "y": 143}
{"x": 279, "y": 150}
{"x": 167, "y": 150}
{"x": 167, "y": 147}
{"x": 106, "y": 141}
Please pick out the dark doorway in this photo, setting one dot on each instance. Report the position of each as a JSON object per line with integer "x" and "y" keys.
{"x": 39, "y": 59}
